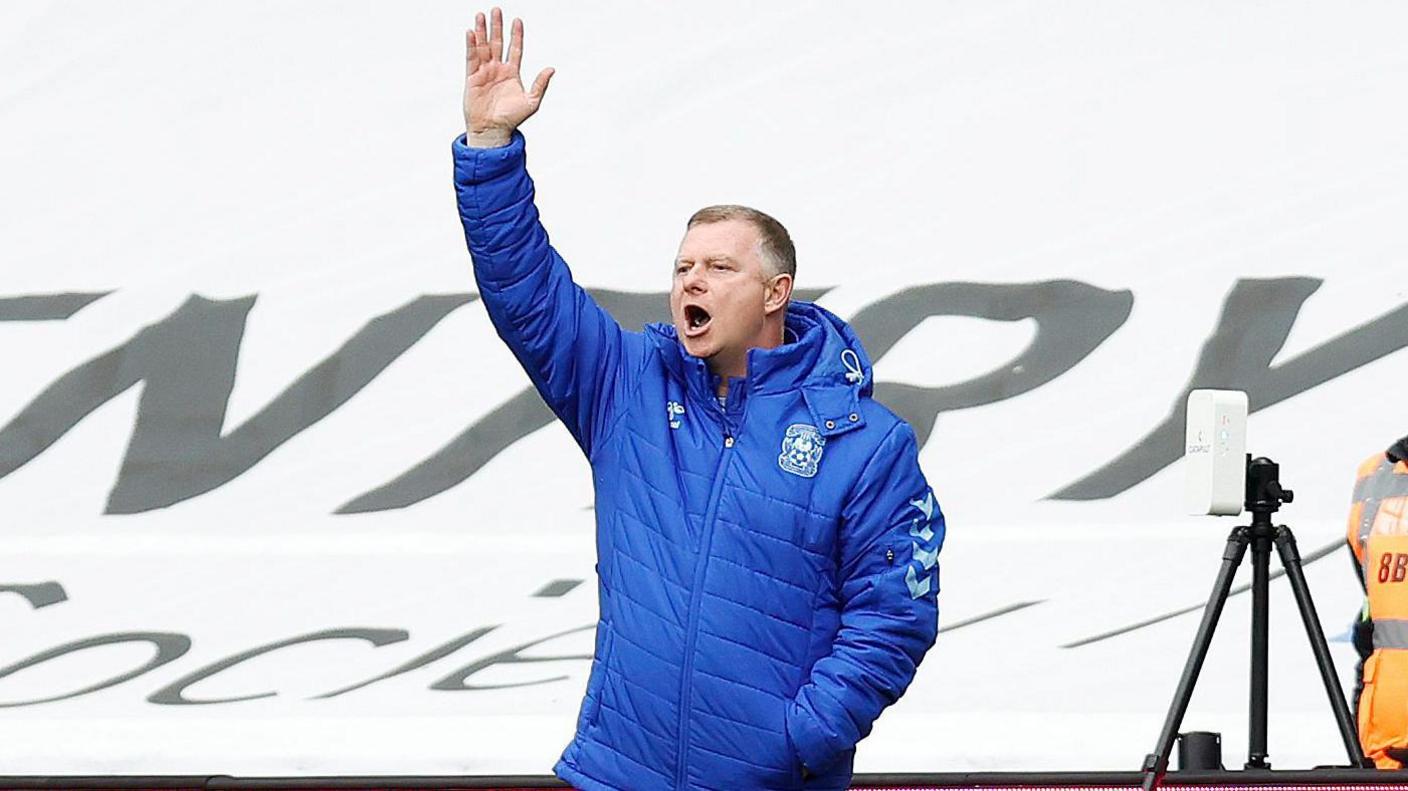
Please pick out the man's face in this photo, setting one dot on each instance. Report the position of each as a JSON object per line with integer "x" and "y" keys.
{"x": 718, "y": 299}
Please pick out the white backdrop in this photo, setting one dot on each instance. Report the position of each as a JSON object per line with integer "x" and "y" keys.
{"x": 299, "y": 156}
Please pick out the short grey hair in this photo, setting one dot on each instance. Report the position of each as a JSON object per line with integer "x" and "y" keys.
{"x": 774, "y": 243}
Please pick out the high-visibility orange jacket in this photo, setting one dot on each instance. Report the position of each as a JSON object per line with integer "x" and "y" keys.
{"x": 1378, "y": 534}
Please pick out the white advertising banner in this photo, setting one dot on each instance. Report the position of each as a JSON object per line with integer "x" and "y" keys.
{"x": 274, "y": 498}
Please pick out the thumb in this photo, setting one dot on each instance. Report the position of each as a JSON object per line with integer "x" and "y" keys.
{"x": 540, "y": 85}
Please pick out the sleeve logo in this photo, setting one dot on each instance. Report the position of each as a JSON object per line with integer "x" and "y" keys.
{"x": 925, "y": 558}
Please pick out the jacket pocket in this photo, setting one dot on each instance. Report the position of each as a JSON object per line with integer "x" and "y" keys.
{"x": 796, "y": 767}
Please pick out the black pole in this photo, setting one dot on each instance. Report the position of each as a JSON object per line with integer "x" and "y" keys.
{"x": 1264, "y": 496}
{"x": 1290, "y": 560}
{"x": 1261, "y": 531}
{"x": 1156, "y": 763}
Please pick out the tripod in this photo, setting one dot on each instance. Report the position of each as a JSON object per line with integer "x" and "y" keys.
{"x": 1264, "y": 497}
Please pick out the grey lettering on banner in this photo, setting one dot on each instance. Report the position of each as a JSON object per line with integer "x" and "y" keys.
{"x": 557, "y": 588}
{"x": 1072, "y": 319}
{"x": 510, "y": 422}
{"x": 46, "y": 307}
{"x": 169, "y": 646}
{"x": 457, "y": 681}
{"x": 433, "y": 655}
{"x": 187, "y": 364}
{"x": 174, "y": 693}
{"x": 987, "y": 616}
{"x": 39, "y": 595}
{"x": 1306, "y": 560}
{"x": 462, "y": 457}
{"x": 1257, "y": 316}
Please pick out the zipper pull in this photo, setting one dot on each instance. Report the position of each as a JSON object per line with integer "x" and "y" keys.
{"x": 728, "y": 442}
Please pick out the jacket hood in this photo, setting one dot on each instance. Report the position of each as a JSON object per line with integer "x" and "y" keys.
{"x": 822, "y": 357}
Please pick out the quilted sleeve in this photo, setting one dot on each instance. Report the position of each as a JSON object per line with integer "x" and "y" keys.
{"x": 578, "y": 357}
{"x": 891, "y": 534}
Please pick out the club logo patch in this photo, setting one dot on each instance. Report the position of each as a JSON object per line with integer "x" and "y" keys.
{"x": 801, "y": 450}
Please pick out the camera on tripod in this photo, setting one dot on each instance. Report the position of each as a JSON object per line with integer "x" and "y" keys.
{"x": 1222, "y": 480}
{"x": 1221, "y": 477}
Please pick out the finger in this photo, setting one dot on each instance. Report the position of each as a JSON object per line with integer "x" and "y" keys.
{"x": 540, "y": 85}
{"x": 481, "y": 46}
{"x": 471, "y": 53}
{"x": 481, "y": 30}
{"x": 496, "y": 35}
{"x": 515, "y": 46}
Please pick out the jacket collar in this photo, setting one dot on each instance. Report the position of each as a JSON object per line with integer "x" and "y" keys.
{"x": 824, "y": 359}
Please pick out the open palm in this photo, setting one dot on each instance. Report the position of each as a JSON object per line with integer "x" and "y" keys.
{"x": 495, "y": 102}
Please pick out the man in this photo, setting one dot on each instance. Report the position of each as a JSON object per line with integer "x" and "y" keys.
{"x": 767, "y": 545}
{"x": 1378, "y": 536}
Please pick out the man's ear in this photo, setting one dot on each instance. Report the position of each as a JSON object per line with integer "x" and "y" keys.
{"x": 779, "y": 291}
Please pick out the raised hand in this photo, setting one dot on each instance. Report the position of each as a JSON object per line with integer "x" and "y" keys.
{"x": 494, "y": 100}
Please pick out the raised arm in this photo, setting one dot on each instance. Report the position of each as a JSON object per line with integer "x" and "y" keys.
{"x": 578, "y": 357}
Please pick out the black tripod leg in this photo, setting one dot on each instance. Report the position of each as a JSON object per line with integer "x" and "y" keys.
{"x": 1261, "y": 609}
{"x": 1290, "y": 559}
{"x": 1156, "y": 763}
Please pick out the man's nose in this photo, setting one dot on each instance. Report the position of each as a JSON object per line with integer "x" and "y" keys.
{"x": 694, "y": 281}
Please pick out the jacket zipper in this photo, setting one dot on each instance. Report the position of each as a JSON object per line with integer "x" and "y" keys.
{"x": 706, "y": 543}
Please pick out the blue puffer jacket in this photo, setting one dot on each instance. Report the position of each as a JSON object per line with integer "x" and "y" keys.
{"x": 768, "y": 569}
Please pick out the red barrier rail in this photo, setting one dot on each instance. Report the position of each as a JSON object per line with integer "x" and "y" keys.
{"x": 1313, "y": 780}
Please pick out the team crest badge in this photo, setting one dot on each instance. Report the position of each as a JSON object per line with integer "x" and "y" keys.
{"x": 801, "y": 450}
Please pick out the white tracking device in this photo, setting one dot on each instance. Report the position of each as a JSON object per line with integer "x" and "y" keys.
{"x": 1215, "y": 452}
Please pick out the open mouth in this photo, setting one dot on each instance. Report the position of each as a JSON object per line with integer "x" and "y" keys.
{"x": 696, "y": 320}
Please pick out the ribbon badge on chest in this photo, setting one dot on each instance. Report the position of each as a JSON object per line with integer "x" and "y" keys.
{"x": 674, "y": 410}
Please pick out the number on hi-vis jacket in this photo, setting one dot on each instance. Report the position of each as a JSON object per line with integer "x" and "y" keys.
{"x": 1393, "y": 566}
